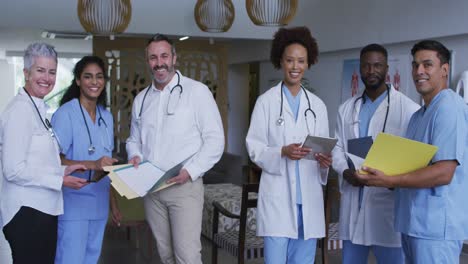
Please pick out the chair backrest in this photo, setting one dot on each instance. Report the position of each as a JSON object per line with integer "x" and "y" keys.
{"x": 246, "y": 203}
{"x": 251, "y": 173}
{"x": 227, "y": 170}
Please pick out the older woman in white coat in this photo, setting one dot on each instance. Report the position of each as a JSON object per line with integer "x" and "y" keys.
{"x": 290, "y": 213}
{"x": 32, "y": 175}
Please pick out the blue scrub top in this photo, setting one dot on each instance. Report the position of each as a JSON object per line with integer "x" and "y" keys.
{"x": 438, "y": 213}
{"x": 92, "y": 201}
{"x": 368, "y": 108}
{"x": 294, "y": 103}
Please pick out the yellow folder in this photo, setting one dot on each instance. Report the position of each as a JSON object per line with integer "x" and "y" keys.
{"x": 396, "y": 155}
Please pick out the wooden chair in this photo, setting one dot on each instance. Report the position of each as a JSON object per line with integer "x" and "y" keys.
{"x": 243, "y": 244}
{"x": 331, "y": 199}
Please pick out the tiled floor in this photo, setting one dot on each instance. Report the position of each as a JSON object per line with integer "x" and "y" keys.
{"x": 139, "y": 248}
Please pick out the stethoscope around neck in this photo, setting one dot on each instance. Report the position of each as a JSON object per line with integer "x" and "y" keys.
{"x": 363, "y": 98}
{"x": 45, "y": 123}
{"x": 171, "y": 105}
{"x": 92, "y": 148}
{"x": 280, "y": 120}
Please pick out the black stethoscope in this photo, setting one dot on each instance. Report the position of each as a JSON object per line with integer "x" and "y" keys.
{"x": 46, "y": 123}
{"x": 364, "y": 101}
{"x": 171, "y": 105}
{"x": 280, "y": 120}
{"x": 92, "y": 148}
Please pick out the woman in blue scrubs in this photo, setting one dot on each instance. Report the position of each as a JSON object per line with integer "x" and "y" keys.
{"x": 84, "y": 128}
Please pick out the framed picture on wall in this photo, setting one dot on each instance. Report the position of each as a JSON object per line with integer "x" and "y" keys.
{"x": 399, "y": 75}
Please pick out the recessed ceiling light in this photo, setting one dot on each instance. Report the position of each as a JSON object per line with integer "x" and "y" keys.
{"x": 184, "y": 38}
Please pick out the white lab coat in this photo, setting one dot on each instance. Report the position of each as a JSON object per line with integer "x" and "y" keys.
{"x": 373, "y": 224}
{"x": 277, "y": 210}
{"x": 194, "y": 130}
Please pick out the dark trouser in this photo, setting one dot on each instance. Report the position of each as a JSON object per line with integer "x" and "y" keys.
{"x": 32, "y": 236}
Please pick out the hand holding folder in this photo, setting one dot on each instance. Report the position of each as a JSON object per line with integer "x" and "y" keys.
{"x": 395, "y": 155}
{"x": 147, "y": 178}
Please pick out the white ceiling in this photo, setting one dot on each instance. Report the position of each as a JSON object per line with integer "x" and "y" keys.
{"x": 337, "y": 24}
{"x": 173, "y": 17}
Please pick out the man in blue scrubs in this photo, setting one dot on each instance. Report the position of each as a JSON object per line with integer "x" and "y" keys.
{"x": 430, "y": 203}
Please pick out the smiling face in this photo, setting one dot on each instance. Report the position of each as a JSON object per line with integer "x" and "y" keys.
{"x": 429, "y": 75}
{"x": 161, "y": 61}
{"x": 91, "y": 82}
{"x": 40, "y": 78}
{"x": 294, "y": 63}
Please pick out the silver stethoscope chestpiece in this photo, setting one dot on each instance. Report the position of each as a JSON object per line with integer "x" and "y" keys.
{"x": 51, "y": 131}
{"x": 91, "y": 150}
{"x": 280, "y": 121}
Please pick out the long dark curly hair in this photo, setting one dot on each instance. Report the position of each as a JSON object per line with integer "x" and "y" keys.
{"x": 73, "y": 91}
{"x": 287, "y": 36}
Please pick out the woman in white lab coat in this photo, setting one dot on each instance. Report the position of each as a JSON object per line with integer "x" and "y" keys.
{"x": 31, "y": 194}
{"x": 290, "y": 212}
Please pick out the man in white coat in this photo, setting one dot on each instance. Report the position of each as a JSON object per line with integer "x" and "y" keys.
{"x": 175, "y": 119}
{"x": 367, "y": 213}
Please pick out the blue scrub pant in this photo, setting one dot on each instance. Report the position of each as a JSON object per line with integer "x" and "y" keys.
{"x": 79, "y": 241}
{"x": 281, "y": 250}
{"x": 427, "y": 251}
{"x": 357, "y": 254}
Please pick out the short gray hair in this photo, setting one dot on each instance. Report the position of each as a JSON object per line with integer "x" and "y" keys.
{"x": 38, "y": 49}
{"x": 161, "y": 37}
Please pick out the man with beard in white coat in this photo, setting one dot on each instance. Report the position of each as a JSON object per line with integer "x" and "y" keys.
{"x": 367, "y": 213}
{"x": 174, "y": 120}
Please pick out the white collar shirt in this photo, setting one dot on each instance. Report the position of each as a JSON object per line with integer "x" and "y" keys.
{"x": 194, "y": 131}
{"x": 30, "y": 162}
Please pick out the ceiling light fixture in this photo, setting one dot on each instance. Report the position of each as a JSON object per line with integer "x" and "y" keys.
{"x": 271, "y": 13}
{"x": 104, "y": 17}
{"x": 184, "y": 38}
{"x": 214, "y": 15}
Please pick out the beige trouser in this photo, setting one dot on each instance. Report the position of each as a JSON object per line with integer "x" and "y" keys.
{"x": 175, "y": 215}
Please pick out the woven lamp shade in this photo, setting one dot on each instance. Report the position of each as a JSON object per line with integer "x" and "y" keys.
{"x": 105, "y": 17}
{"x": 271, "y": 12}
{"x": 214, "y": 15}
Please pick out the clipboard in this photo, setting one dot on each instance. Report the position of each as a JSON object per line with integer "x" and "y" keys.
{"x": 318, "y": 145}
{"x": 98, "y": 175}
{"x": 360, "y": 146}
